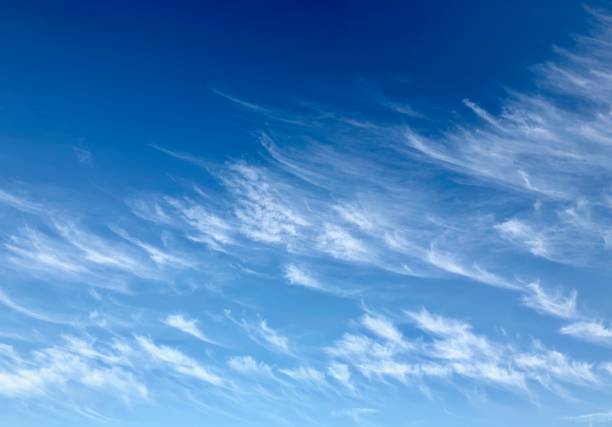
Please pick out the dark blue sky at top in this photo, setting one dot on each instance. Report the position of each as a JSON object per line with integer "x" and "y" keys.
{"x": 126, "y": 74}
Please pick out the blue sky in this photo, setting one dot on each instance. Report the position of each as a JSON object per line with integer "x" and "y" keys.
{"x": 306, "y": 214}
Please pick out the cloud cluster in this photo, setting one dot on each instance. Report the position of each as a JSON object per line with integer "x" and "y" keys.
{"x": 453, "y": 349}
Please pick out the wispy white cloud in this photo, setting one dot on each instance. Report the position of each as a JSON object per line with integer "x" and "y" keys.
{"x": 353, "y": 347}
{"x": 383, "y": 328}
{"x": 341, "y": 373}
{"x": 554, "y": 304}
{"x": 207, "y": 227}
{"x": 504, "y": 363}
{"x": 482, "y": 113}
{"x": 606, "y": 367}
{"x": 454, "y": 349}
{"x": 355, "y": 216}
{"x": 57, "y": 367}
{"x": 186, "y": 325}
{"x": 273, "y": 337}
{"x": 260, "y": 332}
{"x": 339, "y": 243}
{"x": 401, "y": 108}
{"x": 178, "y": 361}
{"x": 103, "y": 256}
{"x": 181, "y": 156}
{"x": 248, "y": 365}
{"x": 160, "y": 257}
{"x": 33, "y": 250}
{"x": 99, "y": 251}
{"x": 305, "y": 374}
{"x": 589, "y": 330}
{"x": 450, "y": 264}
{"x": 271, "y": 208}
{"x": 543, "y": 364}
{"x": 298, "y": 276}
{"x": 457, "y": 342}
{"x": 259, "y": 109}
{"x": 18, "y": 202}
{"x": 372, "y": 358}
{"x": 151, "y": 209}
{"x": 543, "y": 148}
{"x": 517, "y": 231}
{"x": 13, "y": 305}
{"x": 262, "y": 213}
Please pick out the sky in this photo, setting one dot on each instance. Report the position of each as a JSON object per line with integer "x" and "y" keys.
{"x": 294, "y": 213}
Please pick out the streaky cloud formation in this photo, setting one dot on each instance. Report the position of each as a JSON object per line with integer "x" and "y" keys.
{"x": 188, "y": 326}
{"x": 297, "y": 276}
{"x": 178, "y": 361}
{"x": 592, "y": 331}
{"x": 365, "y": 258}
{"x": 554, "y": 304}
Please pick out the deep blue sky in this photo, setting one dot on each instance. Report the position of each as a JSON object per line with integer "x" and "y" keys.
{"x": 145, "y": 69}
{"x": 305, "y": 213}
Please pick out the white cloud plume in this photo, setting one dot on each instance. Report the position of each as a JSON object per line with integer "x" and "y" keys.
{"x": 480, "y": 112}
{"x": 341, "y": 373}
{"x": 19, "y": 203}
{"x": 189, "y": 326}
{"x": 554, "y": 304}
{"x": 13, "y": 305}
{"x": 383, "y": 328}
{"x": 592, "y": 331}
{"x": 262, "y": 213}
{"x": 305, "y": 374}
{"x": 273, "y": 337}
{"x": 206, "y": 227}
{"x": 455, "y": 350}
{"x": 299, "y": 276}
{"x": 339, "y": 243}
{"x": 57, "y": 367}
{"x": 517, "y": 231}
{"x": 178, "y": 361}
